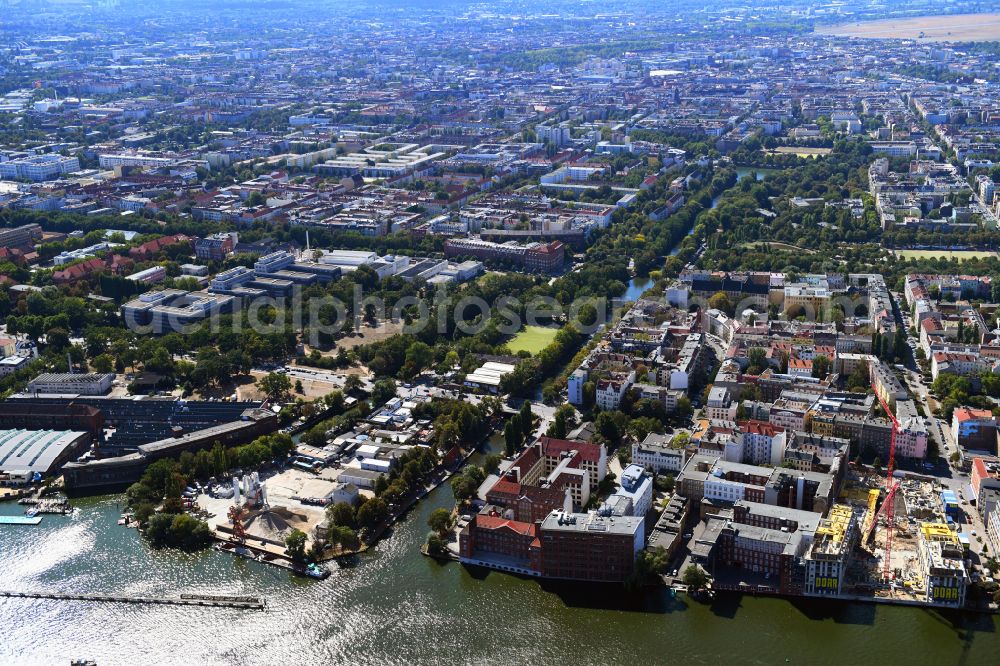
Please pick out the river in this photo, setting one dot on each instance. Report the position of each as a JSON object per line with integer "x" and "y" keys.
{"x": 394, "y": 606}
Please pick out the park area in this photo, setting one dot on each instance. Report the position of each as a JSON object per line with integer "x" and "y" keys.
{"x": 961, "y": 255}
{"x": 957, "y": 28}
{"x": 532, "y": 339}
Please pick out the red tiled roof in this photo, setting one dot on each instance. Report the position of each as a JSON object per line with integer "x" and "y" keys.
{"x": 971, "y": 413}
{"x": 487, "y": 522}
{"x": 754, "y": 427}
{"x": 930, "y": 325}
{"x": 80, "y": 270}
{"x": 505, "y": 487}
{"x": 157, "y": 244}
{"x": 553, "y": 447}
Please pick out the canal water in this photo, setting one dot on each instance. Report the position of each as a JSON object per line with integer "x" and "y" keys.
{"x": 394, "y": 606}
{"x": 741, "y": 173}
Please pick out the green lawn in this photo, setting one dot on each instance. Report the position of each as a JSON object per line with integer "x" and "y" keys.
{"x": 961, "y": 255}
{"x": 532, "y": 339}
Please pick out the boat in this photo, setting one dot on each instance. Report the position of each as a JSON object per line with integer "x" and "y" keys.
{"x": 32, "y": 512}
{"x": 316, "y": 571}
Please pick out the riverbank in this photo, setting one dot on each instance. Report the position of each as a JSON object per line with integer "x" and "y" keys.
{"x": 344, "y": 618}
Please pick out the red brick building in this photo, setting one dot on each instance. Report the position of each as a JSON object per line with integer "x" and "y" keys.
{"x": 529, "y": 504}
{"x": 510, "y": 543}
{"x": 590, "y": 547}
{"x": 547, "y": 258}
{"x": 572, "y": 546}
{"x": 149, "y": 249}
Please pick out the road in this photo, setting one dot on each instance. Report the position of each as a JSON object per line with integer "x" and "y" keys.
{"x": 317, "y": 375}
{"x": 949, "y": 477}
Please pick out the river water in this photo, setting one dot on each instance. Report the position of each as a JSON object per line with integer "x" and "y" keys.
{"x": 394, "y": 606}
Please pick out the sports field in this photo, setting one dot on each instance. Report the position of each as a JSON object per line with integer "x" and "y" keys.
{"x": 961, "y": 255}
{"x": 956, "y": 28}
{"x": 532, "y": 339}
{"x": 801, "y": 151}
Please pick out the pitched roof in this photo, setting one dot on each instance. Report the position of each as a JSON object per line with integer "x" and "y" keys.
{"x": 488, "y": 522}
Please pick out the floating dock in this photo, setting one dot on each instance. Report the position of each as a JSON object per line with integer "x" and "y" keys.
{"x": 20, "y": 520}
{"x": 203, "y": 600}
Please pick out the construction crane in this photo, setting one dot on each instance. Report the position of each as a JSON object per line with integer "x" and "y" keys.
{"x": 236, "y": 516}
{"x": 889, "y": 504}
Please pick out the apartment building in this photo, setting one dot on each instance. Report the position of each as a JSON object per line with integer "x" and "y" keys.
{"x": 975, "y": 429}
{"x": 655, "y": 452}
{"x": 941, "y": 561}
{"x": 37, "y": 168}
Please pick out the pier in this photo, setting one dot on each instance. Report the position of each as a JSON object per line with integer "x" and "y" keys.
{"x": 203, "y": 600}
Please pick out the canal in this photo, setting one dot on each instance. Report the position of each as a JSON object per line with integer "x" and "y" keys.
{"x": 393, "y": 606}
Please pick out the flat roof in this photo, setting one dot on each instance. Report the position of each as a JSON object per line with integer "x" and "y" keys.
{"x": 591, "y": 522}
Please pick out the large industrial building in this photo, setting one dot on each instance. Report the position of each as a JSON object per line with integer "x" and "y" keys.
{"x": 91, "y": 383}
{"x": 123, "y": 470}
{"x": 30, "y": 454}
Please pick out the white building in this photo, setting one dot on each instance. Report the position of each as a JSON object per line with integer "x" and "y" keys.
{"x": 655, "y": 452}
{"x": 91, "y": 383}
{"x": 636, "y": 486}
{"x": 12, "y": 364}
{"x": 39, "y": 167}
{"x": 611, "y": 391}
{"x": 574, "y": 386}
{"x": 720, "y": 405}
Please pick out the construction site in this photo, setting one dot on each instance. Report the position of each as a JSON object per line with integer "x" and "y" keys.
{"x": 908, "y": 548}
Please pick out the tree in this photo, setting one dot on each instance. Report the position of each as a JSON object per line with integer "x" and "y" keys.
{"x": 821, "y": 366}
{"x": 158, "y": 529}
{"x": 341, "y": 514}
{"x": 295, "y": 545}
{"x": 719, "y": 301}
{"x": 352, "y": 383}
{"x": 275, "y": 385}
{"x": 512, "y": 435}
{"x": 492, "y": 463}
{"x": 435, "y": 544}
{"x": 557, "y": 428}
{"x": 463, "y": 488}
{"x": 611, "y": 425}
{"x": 383, "y": 391}
{"x": 527, "y": 420}
{"x": 653, "y": 561}
{"x": 103, "y": 363}
{"x": 684, "y": 407}
{"x": 642, "y": 426}
{"x": 372, "y": 513}
{"x": 694, "y": 578}
{"x": 343, "y": 536}
{"x": 440, "y": 521}
{"x": 757, "y": 356}
{"x": 419, "y": 355}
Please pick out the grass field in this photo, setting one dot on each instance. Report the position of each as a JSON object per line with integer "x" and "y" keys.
{"x": 961, "y": 255}
{"x": 801, "y": 151}
{"x": 532, "y": 339}
{"x": 956, "y": 28}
